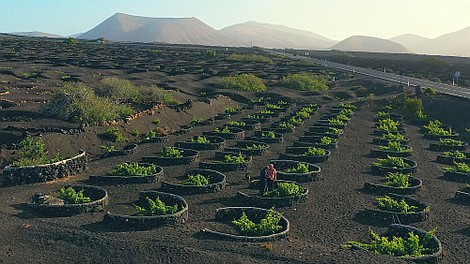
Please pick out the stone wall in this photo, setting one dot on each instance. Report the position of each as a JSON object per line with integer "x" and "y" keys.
{"x": 41, "y": 173}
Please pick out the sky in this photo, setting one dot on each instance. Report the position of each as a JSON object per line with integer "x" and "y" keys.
{"x": 335, "y": 19}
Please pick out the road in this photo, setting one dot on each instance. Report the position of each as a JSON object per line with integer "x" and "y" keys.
{"x": 440, "y": 87}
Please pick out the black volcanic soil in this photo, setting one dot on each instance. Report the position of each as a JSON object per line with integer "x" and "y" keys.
{"x": 319, "y": 228}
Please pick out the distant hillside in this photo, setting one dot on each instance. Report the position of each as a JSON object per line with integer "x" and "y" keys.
{"x": 411, "y": 42}
{"x": 275, "y": 36}
{"x": 363, "y": 43}
{"x": 36, "y": 34}
{"x": 455, "y": 43}
{"x": 123, "y": 27}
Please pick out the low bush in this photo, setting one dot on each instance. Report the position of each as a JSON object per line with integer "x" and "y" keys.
{"x": 234, "y": 158}
{"x": 305, "y": 82}
{"x": 107, "y": 100}
{"x": 196, "y": 121}
{"x": 236, "y": 123}
{"x": 285, "y": 189}
{"x": 300, "y": 168}
{"x": 455, "y": 154}
{"x": 33, "y": 152}
{"x": 156, "y": 207}
{"x": 395, "y": 146}
{"x": 451, "y": 142}
{"x": 388, "y": 125}
{"x": 267, "y": 226}
{"x": 225, "y": 130}
{"x": 250, "y": 58}
{"x": 394, "y": 137}
{"x": 199, "y": 139}
{"x": 244, "y": 82}
{"x": 398, "y": 180}
{"x": 268, "y": 134}
{"x": 316, "y": 152}
{"x": 326, "y": 140}
{"x": 254, "y": 147}
{"x": 459, "y": 167}
{"x": 196, "y": 180}
{"x": 114, "y": 134}
{"x": 171, "y": 152}
{"x": 408, "y": 246}
{"x": 71, "y": 196}
{"x": 387, "y": 203}
{"x": 392, "y": 162}
{"x": 134, "y": 169}
{"x": 412, "y": 105}
{"x": 347, "y": 106}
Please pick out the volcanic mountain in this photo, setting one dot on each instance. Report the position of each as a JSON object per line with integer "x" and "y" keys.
{"x": 275, "y": 36}
{"x": 363, "y": 43}
{"x": 123, "y": 27}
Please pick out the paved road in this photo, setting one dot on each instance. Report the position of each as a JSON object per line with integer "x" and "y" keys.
{"x": 440, "y": 87}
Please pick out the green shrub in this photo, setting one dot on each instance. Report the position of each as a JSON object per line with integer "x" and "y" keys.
{"x": 455, "y": 154}
{"x": 77, "y": 102}
{"x": 104, "y": 101}
{"x": 71, "y": 196}
{"x": 295, "y": 120}
{"x": 236, "y": 123}
{"x": 459, "y": 167}
{"x": 119, "y": 90}
{"x": 134, "y": 169}
{"x": 109, "y": 149}
{"x": 286, "y": 125}
{"x": 326, "y": 140}
{"x": 347, "y": 106}
{"x": 398, "y": 180}
{"x": 273, "y": 106}
{"x": 412, "y": 105}
{"x": 267, "y": 226}
{"x": 383, "y": 114}
{"x": 199, "y": 139}
{"x": 196, "y": 180}
{"x": 156, "y": 207}
{"x": 172, "y": 152}
{"x": 388, "y": 125}
{"x": 336, "y": 121}
{"x": 135, "y": 132}
{"x": 225, "y": 130}
{"x": 451, "y": 142}
{"x": 408, "y": 246}
{"x": 268, "y": 134}
{"x": 250, "y": 58}
{"x": 266, "y": 112}
{"x": 114, "y": 134}
{"x": 392, "y": 162}
{"x": 420, "y": 116}
{"x": 230, "y": 110}
{"x": 312, "y": 151}
{"x": 244, "y": 82}
{"x": 33, "y": 152}
{"x": 196, "y": 121}
{"x": 302, "y": 114}
{"x": 234, "y": 158}
{"x": 254, "y": 147}
{"x": 394, "y": 137}
{"x": 156, "y": 121}
{"x": 305, "y": 82}
{"x": 395, "y": 146}
{"x": 285, "y": 189}
{"x": 211, "y": 53}
{"x": 387, "y": 203}
{"x": 300, "y": 168}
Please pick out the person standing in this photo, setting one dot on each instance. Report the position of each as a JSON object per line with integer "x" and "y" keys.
{"x": 270, "y": 177}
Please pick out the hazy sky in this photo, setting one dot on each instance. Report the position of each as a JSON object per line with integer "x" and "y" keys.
{"x": 336, "y": 19}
